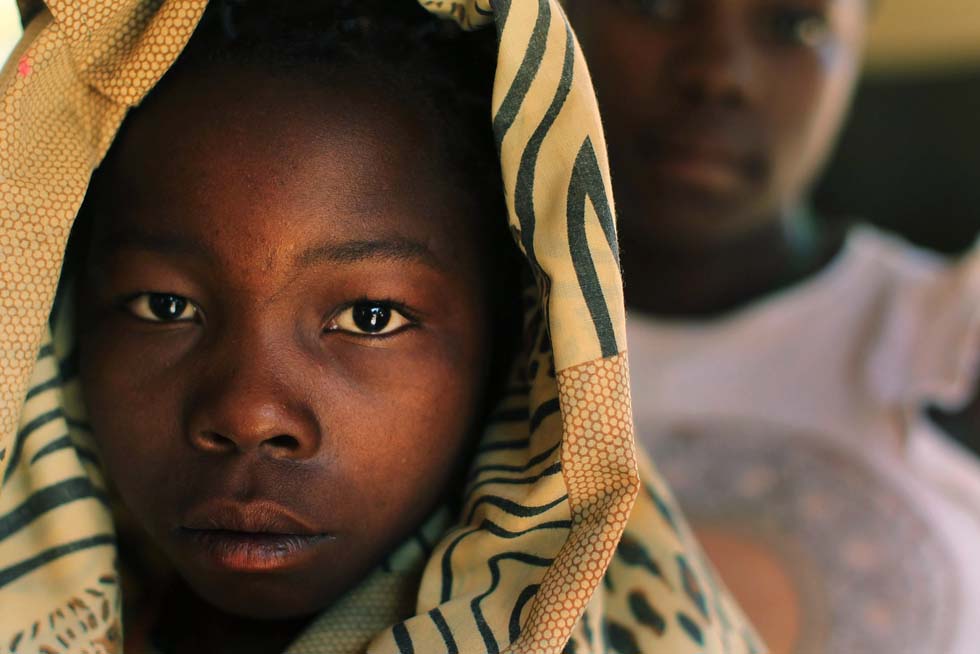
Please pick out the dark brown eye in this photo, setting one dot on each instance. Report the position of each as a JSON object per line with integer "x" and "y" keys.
{"x": 796, "y": 26}
{"x": 369, "y": 319}
{"x": 162, "y": 307}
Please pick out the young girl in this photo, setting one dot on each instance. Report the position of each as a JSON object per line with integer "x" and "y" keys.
{"x": 283, "y": 331}
{"x": 782, "y": 369}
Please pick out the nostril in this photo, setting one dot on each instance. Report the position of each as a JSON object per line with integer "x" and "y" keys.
{"x": 215, "y": 442}
{"x": 283, "y": 442}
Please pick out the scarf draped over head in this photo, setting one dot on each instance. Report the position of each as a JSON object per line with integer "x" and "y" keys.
{"x": 567, "y": 540}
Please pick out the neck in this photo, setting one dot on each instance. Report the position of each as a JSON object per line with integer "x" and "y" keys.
{"x": 711, "y": 280}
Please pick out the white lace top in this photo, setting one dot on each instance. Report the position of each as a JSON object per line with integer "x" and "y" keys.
{"x": 797, "y": 424}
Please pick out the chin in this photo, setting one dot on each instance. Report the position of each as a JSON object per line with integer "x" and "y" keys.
{"x": 679, "y": 220}
{"x": 262, "y": 597}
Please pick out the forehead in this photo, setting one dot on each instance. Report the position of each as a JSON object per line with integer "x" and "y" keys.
{"x": 277, "y": 157}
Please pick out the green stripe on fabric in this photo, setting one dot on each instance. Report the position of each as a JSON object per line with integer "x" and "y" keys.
{"x": 25, "y": 433}
{"x": 526, "y": 73}
{"x": 14, "y": 572}
{"x": 45, "y": 500}
{"x": 527, "y": 171}
{"x": 580, "y": 189}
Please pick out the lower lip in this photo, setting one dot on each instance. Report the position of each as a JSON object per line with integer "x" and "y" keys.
{"x": 248, "y": 552}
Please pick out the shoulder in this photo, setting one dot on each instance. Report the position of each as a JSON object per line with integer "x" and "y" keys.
{"x": 926, "y": 320}
{"x": 899, "y": 261}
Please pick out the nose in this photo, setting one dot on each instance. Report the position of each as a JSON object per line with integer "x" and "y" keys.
{"x": 716, "y": 63}
{"x": 253, "y": 403}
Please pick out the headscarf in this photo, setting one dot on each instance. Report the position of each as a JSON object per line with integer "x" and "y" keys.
{"x": 567, "y": 541}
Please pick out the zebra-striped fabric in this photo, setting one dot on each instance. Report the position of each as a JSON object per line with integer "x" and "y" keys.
{"x": 566, "y": 541}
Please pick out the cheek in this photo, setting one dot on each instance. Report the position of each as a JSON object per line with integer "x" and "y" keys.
{"x": 405, "y": 427}
{"x": 806, "y": 104}
{"x": 413, "y": 412}
{"x": 626, "y": 59}
{"x": 132, "y": 396}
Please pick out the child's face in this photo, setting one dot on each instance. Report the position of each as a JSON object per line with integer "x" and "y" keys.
{"x": 284, "y": 333}
{"x": 718, "y": 112}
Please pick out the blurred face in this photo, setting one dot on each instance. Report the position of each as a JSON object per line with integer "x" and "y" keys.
{"x": 718, "y": 112}
{"x": 283, "y": 333}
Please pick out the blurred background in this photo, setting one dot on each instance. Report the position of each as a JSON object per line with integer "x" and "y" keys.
{"x": 909, "y": 157}
{"x": 9, "y": 27}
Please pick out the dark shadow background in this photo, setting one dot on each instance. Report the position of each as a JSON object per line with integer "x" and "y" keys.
{"x": 909, "y": 158}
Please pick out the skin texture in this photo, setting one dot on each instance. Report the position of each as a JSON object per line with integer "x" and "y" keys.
{"x": 263, "y": 391}
{"x": 719, "y": 115}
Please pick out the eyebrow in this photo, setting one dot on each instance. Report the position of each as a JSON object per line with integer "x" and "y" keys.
{"x": 392, "y": 249}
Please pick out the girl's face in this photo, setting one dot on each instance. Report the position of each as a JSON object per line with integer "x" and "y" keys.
{"x": 284, "y": 335}
{"x": 718, "y": 112}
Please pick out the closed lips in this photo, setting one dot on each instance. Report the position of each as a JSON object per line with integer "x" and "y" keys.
{"x": 257, "y": 537}
{"x": 250, "y": 518}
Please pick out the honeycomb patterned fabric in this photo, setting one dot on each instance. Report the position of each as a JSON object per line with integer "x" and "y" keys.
{"x": 566, "y": 541}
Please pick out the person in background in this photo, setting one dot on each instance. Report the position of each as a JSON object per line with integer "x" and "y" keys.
{"x": 782, "y": 367}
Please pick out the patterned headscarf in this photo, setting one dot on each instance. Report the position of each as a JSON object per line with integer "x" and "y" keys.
{"x": 566, "y": 542}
